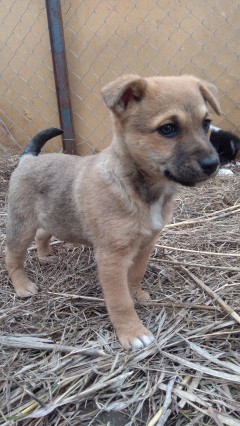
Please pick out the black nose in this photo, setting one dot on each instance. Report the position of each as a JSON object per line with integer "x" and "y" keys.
{"x": 209, "y": 164}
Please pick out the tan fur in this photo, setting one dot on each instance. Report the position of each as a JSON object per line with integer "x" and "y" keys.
{"x": 118, "y": 200}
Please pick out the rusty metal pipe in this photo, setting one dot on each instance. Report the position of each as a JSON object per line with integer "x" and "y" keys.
{"x": 56, "y": 34}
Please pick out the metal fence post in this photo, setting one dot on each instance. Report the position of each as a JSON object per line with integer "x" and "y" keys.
{"x": 56, "y": 34}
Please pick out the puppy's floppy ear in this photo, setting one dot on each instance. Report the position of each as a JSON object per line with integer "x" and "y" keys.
{"x": 119, "y": 93}
{"x": 210, "y": 94}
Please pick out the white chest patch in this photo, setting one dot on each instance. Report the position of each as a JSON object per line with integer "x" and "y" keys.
{"x": 156, "y": 215}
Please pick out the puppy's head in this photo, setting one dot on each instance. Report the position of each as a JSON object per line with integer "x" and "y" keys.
{"x": 163, "y": 123}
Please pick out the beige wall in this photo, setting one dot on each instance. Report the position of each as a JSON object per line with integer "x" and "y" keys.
{"x": 103, "y": 40}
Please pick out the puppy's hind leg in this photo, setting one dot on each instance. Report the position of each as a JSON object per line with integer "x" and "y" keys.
{"x": 17, "y": 242}
{"x": 45, "y": 253}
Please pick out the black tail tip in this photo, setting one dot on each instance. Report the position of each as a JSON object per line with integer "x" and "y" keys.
{"x": 38, "y": 141}
{"x": 50, "y": 133}
{"x": 56, "y": 131}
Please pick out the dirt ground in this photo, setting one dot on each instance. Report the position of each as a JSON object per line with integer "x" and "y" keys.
{"x": 60, "y": 361}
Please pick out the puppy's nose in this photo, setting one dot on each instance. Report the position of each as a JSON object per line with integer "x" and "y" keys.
{"x": 209, "y": 164}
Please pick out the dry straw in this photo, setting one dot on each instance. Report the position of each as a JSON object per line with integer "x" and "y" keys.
{"x": 60, "y": 362}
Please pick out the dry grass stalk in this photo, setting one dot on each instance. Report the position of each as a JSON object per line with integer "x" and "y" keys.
{"x": 202, "y": 369}
{"x": 179, "y": 305}
{"x": 162, "y": 415}
{"x": 210, "y": 217}
{"x": 28, "y": 342}
{"x": 78, "y": 296}
{"x": 159, "y": 303}
{"x": 218, "y": 417}
{"x": 215, "y": 296}
{"x": 213, "y": 359}
{"x": 191, "y": 384}
{"x": 206, "y": 253}
{"x": 197, "y": 265}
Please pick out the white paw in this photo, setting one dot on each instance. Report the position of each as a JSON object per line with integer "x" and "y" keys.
{"x": 141, "y": 342}
{"x": 135, "y": 341}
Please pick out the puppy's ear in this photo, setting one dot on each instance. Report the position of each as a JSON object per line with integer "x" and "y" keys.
{"x": 210, "y": 93}
{"x": 122, "y": 91}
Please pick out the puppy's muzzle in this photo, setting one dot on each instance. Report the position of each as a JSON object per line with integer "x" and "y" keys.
{"x": 209, "y": 164}
{"x": 190, "y": 170}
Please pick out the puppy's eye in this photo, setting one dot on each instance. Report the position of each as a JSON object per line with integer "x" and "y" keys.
{"x": 168, "y": 130}
{"x": 206, "y": 124}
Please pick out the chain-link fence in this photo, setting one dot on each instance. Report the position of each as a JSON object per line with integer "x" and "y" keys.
{"x": 28, "y": 101}
{"x": 104, "y": 39}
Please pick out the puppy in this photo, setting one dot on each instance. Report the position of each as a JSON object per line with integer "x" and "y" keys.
{"x": 226, "y": 144}
{"x": 118, "y": 200}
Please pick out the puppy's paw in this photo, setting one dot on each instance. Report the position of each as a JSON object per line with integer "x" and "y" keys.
{"x": 141, "y": 342}
{"x": 26, "y": 289}
{"x": 139, "y": 294}
{"x": 137, "y": 340}
{"x": 142, "y": 296}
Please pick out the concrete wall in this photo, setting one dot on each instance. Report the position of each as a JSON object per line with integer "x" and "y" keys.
{"x": 103, "y": 40}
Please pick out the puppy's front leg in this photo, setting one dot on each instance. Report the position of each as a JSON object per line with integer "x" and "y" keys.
{"x": 113, "y": 276}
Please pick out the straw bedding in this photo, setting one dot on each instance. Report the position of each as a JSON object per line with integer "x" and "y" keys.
{"x": 60, "y": 362}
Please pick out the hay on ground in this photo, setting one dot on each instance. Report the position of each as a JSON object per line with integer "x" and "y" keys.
{"x": 60, "y": 361}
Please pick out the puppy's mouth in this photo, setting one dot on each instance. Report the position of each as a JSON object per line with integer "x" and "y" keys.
{"x": 182, "y": 181}
{"x": 187, "y": 180}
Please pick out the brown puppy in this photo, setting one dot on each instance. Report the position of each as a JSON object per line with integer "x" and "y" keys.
{"x": 116, "y": 201}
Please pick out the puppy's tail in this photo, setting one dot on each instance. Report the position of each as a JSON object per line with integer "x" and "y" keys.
{"x": 37, "y": 142}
